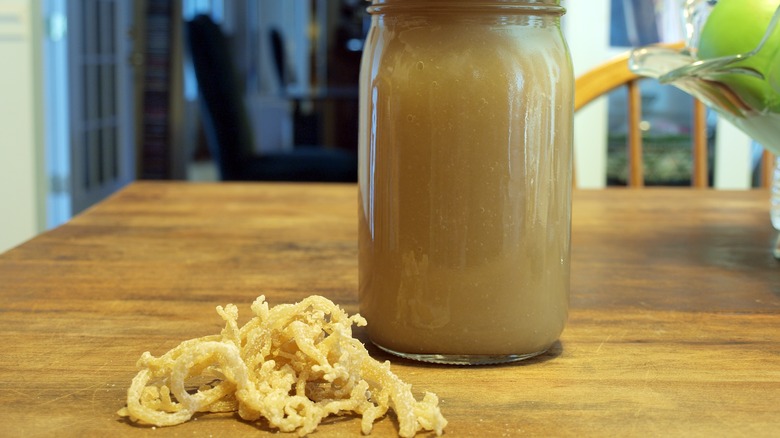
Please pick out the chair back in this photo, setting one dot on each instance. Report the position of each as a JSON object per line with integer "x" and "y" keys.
{"x": 280, "y": 57}
{"x": 225, "y": 118}
{"x": 614, "y": 74}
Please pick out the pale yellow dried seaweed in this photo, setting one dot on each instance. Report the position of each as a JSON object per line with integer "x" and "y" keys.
{"x": 293, "y": 364}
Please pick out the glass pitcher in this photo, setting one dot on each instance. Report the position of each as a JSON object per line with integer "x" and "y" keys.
{"x": 743, "y": 88}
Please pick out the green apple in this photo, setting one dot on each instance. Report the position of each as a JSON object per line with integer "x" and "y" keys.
{"x": 737, "y": 27}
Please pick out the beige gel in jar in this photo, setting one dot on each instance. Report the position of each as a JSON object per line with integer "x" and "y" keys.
{"x": 465, "y": 179}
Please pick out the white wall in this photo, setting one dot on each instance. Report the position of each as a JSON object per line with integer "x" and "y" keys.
{"x": 586, "y": 26}
{"x": 22, "y": 180}
{"x": 292, "y": 18}
{"x": 733, "y": 149}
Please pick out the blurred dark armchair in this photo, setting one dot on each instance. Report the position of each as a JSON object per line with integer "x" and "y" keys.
{"x": 226, "y": 122}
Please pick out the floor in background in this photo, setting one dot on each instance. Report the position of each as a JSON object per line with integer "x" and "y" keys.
{"x": 202, "y": 171}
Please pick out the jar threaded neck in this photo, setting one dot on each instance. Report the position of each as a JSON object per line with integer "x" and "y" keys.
{"x": 464, "y": 6}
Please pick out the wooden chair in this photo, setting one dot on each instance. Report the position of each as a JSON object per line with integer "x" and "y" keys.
{"x": 614, "y": 74}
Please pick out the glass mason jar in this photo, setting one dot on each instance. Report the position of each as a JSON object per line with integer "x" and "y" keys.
{"x": 465, "y": 145}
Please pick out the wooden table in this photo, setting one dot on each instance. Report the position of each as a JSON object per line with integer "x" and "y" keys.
{"x": 674, "y": 326}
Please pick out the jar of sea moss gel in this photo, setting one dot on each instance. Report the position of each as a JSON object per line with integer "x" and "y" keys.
{"x": 465, "y": 148}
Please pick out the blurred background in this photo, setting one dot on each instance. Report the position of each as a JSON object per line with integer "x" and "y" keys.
{"x": 95, "y": 94}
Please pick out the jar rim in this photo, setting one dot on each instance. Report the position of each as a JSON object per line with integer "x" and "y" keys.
{"x": 535, "y": 7}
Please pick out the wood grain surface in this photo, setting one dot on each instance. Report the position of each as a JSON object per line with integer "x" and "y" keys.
{"x": 674, "y": 326}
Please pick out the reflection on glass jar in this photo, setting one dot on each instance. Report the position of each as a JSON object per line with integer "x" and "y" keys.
{"x": 465, "y": 178}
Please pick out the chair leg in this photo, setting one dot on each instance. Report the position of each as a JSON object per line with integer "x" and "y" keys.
{"x": 699, "y": 178}
{"x": 767, "y": 169}
{"x": 636, "y": 176}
